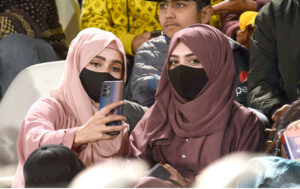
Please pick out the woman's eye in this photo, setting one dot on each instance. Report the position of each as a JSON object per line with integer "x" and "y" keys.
{"x": 179, "y": 5}
{"x": 95, "y": 64}
{"x": 163, "y": 6}
{"x": 172, "y": 62}
{"x": 116, "y": 69}
{"x": 194, "y": 61}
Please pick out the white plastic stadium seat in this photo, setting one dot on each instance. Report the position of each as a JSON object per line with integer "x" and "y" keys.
{"x": 30, "y": 85}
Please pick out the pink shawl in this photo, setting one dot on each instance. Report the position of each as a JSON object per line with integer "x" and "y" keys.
{"x": 83, "y": 49}
{"x": 55, "y": 120}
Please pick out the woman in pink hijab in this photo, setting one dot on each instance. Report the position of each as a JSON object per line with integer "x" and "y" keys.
{"x": 70, "y": 115}
{"x": 195, "y": 119}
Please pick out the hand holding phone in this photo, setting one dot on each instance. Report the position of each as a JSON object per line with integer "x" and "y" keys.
{"x": 159, "y": 171}
{"x": 112, "y": 91}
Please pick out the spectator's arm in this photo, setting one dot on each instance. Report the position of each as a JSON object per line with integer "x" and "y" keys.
{"x": 234, "y": 6}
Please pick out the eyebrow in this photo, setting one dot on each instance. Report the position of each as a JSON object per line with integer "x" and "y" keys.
{"x": 100, "y": 57}
{"x": 117, "y": 62}
{"x": 188, "y": 55}
{"x": 114, "y": 61}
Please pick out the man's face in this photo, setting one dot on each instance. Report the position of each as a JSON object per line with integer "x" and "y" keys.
{"x": 175, "y": 15}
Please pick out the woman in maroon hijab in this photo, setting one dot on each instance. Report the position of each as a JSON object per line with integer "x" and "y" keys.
{"x": 195, "y": 119}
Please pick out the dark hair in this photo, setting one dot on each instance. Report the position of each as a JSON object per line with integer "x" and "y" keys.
{"x": 51, "y": 166}
{"x": 201, "y": 4}
{"x": 290, "y": 116}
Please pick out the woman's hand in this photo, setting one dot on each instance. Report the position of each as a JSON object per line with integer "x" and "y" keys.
{"x": 277, "y": 116}
{"x": 95, "y": 129}
{"x": 175, "y": 175}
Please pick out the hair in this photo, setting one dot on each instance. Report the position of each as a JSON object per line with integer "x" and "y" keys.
{"x": 201, "y": 4}
{"x": 290, "y": 116}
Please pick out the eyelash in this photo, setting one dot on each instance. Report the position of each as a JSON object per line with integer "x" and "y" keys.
{"x": 173, "y": 62}
{"x": 181, "y": 5}
{"x": 116, "y": 69}
{"x": 194, "y": 61}
{"x": 178, "y": 5}
{"x": 95, "y": 64}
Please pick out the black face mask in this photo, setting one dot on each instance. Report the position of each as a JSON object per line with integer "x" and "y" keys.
{"x": 188, "y": 81}
{"x": 91, "y": 82}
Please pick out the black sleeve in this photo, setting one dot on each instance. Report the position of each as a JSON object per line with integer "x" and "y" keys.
{"x": 264, "y": 77}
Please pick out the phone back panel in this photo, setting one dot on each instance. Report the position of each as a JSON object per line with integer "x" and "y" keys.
{"x": 112, "y": 91}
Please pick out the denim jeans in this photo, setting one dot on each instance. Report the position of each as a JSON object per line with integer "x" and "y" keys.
{"x": 17, "y": 52}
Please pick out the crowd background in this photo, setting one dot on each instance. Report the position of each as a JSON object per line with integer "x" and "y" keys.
{"x": 232, "y": 87}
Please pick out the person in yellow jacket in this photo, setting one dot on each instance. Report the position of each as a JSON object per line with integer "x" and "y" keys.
{"x": 133, "y": 21}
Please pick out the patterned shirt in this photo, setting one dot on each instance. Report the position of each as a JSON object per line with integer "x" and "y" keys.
{"x": 125, "y": 18}
{"x": 36, "y": 18}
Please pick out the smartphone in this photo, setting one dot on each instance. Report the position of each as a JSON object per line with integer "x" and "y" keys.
{"x": 159, "y": 171}
{"x": 290, "y": 140}
{"x": 112, "y": 91}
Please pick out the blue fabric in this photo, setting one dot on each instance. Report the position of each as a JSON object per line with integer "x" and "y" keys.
{"x": 17, "y": 52}
{"x": 271, "y": 172}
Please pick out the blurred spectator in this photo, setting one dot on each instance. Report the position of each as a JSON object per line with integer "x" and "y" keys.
{"x": 274, "y": 75}
{"x": 30, "y": 33}
{"x": 230, "y": 11}
{"x": 291, "y": 115}
{"x": 270, "y": 172}
{"x": 118, "y": 173}
{"x": 132, "y": 21}
{"x": 275, "y": 172}
{"x": 149, "y": 59}
{"x": 225, "y": 172}
{"x": 51, "y": 166}
{"x": 246, "y": 20}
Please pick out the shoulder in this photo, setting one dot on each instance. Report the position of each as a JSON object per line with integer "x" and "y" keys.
{"x": 275, "y": 8}
{"x": 157, "y": 43}
{"x": 244, "y": 117}
{"x": 46, "y": 107}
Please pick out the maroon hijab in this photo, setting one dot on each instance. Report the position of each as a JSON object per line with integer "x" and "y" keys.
{"x": 209, "y": 112}
{"x": 213, "y": 123}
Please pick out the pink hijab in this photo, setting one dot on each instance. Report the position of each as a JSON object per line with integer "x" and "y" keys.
{"x": 71, "y": 94}
{"x": 83, "y": 49}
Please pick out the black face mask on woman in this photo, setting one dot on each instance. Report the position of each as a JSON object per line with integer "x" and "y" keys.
{"x": 91, "y": 82}
{"x": 188, "y": 81}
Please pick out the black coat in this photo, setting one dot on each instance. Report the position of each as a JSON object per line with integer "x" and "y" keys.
{"x": 274, "y": 69}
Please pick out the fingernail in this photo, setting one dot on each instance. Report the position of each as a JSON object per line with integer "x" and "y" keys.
{"x": 162, "y": 163}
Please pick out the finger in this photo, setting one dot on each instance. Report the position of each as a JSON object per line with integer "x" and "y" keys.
{"x": 111, "y": 118}
{"x": 113, "y": 128}
{"x": 109, "y": 137}
{"x": 270, "y": 130}
{"x": 170, "y": 169}
{"x": 268, "y": 142}
{"x": 107, "y": 109}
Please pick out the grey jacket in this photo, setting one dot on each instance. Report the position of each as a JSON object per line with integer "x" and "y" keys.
{"x": 149, "y": 61}
{"x": 146, "y": 71}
